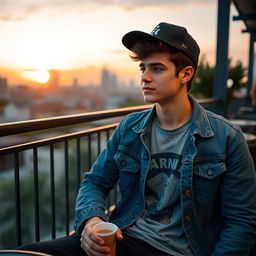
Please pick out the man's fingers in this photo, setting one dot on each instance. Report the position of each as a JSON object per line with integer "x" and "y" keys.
{"x": 95, "y": 238}
{"x": 119, "y": 235}
{"x": 92, "y": 248}
{"x": 92, "y": 244}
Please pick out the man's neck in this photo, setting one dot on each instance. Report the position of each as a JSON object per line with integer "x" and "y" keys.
{"x": 174, "y": 114}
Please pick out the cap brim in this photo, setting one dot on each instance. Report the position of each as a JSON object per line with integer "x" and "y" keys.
{"x": 131, "y": 38}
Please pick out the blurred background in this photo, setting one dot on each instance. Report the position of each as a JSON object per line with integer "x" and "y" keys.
{"x": 65, "y": 57}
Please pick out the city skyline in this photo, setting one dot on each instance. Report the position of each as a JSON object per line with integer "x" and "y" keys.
{"x": 78, "y": 38}
{"x": 24, "y": 102}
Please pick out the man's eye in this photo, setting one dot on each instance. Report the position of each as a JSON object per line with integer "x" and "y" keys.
{"x": 158, "y": 69}
{"x": 142, "y": 69}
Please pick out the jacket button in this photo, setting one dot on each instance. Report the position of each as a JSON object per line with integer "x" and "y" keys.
{"x": 123, "y": 163}
{"x": 165, "y": 219}
{"x": 210, "y": 172}
{"x": 188, "y": 218}
{"x": 188, "y": 193}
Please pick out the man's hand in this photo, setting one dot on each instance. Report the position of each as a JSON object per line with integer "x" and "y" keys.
{"x": 92, "y": 244}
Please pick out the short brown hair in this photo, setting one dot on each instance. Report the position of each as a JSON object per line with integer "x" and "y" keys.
{"x": 143, "y": 49}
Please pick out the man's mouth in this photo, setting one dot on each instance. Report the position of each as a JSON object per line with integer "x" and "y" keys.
{"x": 147, "y": 89}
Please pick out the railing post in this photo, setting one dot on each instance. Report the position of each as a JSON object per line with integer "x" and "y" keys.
{"x": 89, "y": 151}
{"x": 53, "y": 211}
{"x": 36, "y": 195}
{"x": 67, "y": 186}
{"x": 78, "y": 155}
{"x": 17, "y": 198}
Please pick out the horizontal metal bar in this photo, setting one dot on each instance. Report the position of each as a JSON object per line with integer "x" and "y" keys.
{"x": 53, "y": 122}
{"x": 59, "y": 121}
{"x": 244, "y": 17}
{"x": 44, "y": 142}
{"x": 249, "y": 31}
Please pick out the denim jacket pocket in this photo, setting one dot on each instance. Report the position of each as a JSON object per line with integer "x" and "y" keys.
{"x": 128, "y": 172}
{"x": 207, "y": 176}
{"x": 210, "y": 170}
{"x": 126, "y": 163}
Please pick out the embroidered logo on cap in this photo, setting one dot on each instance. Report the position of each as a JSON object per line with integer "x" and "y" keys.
{"x": 184, "y": 46}
{"x": 156, "y": 30}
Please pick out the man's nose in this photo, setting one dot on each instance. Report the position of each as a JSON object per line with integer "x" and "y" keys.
{"x": 146, "y": 77}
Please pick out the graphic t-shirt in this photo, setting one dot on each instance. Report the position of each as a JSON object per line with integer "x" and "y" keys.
{"x": 161, "y": 223}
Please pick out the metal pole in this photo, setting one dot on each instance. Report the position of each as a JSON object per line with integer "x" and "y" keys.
{"x": 250, "y": 63}
{"x": 221, "y": 68}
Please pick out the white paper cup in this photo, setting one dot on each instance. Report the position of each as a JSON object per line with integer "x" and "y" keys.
{"x": 107, "y": 231}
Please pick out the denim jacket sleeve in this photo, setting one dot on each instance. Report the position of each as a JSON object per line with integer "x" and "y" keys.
{"x": 238, "y": 201}
{"x": 97, "y": 183}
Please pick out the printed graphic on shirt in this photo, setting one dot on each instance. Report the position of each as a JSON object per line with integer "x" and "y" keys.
{"x": 162, "y": 189}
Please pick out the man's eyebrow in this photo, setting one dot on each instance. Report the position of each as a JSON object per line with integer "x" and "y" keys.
{"x": 151, "y": 64}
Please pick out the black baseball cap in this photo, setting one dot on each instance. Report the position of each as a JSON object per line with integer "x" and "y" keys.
{"x": 170, "y": 34}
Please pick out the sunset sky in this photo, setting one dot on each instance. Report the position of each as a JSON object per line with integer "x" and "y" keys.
{"x": 82, "y": 36}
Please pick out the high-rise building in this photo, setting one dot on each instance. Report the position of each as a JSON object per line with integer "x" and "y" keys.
{"x": 75, "y": 83}
{"x": 113, "y": 81}
{"x": 54, "y": 79}
{"x": 109, "y": 81}
{"x": 105, "y": 79}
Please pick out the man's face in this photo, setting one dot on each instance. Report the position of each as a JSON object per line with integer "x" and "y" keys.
{"x": 158, "y": 80}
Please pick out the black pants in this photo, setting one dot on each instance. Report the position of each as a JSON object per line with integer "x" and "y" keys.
{"x": 70, "y": 246}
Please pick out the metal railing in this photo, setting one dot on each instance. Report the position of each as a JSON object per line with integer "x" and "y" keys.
{"x": 79, "y": 150}
{"x": 93, "y": 139}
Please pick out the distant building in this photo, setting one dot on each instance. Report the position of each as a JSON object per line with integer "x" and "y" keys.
{"x": 21, "y": 94}
{"x": 105, "y": 79}
{"x": 3, "y": 87}
{"x": 134, "y": 87}
{"x": 13, "y": 112}
{"x": 113, "y": 81}
{"x": 75, "y": 83}
{"x": 114, "y": 101}
{"x": 53, "y": 82}
{"x": 109, "y": 81}
{"x": 48, "y": 109}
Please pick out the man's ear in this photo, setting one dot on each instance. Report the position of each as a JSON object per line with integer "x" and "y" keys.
{"x": 186, "y": 74}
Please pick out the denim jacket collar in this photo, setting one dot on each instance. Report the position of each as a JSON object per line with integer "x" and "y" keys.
{"x": 200, "y": 122}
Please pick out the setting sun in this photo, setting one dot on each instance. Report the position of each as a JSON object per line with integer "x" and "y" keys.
{"x": 40, "y": 76}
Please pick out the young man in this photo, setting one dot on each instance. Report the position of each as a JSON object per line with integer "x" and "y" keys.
{"x": 187, "y": 180}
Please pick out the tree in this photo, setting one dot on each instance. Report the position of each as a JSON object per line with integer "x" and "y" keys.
{"x": 203, "y": 82}
{"x": 235, "y": 75}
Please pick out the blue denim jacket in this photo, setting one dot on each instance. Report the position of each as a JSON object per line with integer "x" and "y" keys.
{"x": 218, "y": 182}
